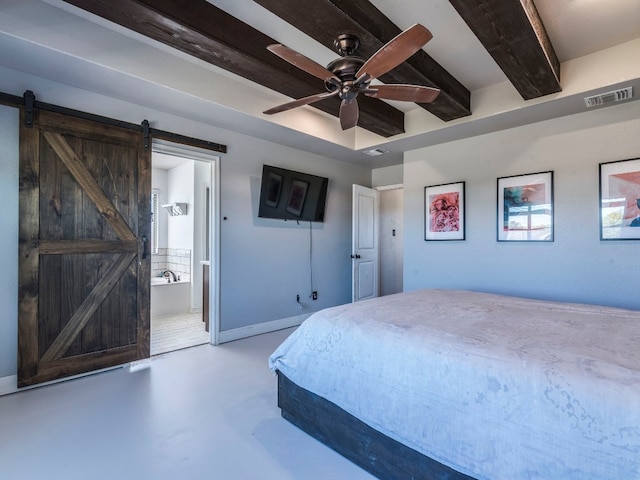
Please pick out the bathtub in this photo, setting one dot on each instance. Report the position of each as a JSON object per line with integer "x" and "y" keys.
{"x": 169, "y": 298}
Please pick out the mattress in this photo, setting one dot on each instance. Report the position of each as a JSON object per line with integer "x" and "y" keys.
{"x": 496, "y": 387}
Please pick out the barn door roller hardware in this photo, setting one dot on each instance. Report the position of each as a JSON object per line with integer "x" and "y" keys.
{"x": 29, "y": 100}
{"x": 145, "y": 134}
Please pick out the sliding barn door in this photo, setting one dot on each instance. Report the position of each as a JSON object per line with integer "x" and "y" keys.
{"x": 84, "y": 228}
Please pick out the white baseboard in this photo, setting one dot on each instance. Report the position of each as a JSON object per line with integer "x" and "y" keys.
{"x": 8, "y": 384}
{"x": 260, "y": 328}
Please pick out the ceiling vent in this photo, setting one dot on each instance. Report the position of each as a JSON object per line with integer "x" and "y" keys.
{"x": 374, "y": 152}
{"x": 609, "y": 97}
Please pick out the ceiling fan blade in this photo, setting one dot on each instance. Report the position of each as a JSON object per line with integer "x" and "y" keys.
{"x": 349, "y": 113}
{"x": 395, "y": 52}
{"x": 404, "y": 93}
{"x": 300, "y": 102}
{"x": 303, "y": 63}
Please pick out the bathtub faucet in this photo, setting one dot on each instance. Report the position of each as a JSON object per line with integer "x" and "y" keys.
{"x": 168, "y": 273}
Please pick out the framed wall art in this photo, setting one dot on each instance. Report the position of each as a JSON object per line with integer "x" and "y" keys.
{"x": 444, "y": 212}
{"x": 620, "y": 200}
{"x": 525, "y": 208}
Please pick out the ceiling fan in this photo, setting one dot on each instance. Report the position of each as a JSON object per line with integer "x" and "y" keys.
{"x": 350, "y": 74}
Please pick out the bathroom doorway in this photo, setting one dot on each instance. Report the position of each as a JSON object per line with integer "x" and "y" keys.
{"x": 183, "y": 237}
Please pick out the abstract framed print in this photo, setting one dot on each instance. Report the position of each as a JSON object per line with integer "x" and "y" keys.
{"x": 525, "y": 208}
{"x": 444, "y": 217}
{"x": 620, "y": 200}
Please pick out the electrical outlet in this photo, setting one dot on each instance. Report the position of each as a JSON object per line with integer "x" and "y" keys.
{"x": 314, "y": 295}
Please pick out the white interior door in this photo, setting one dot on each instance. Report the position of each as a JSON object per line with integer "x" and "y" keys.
{"x": 365, "y": 249}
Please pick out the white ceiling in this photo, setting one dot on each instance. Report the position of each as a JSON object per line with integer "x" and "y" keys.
{"x": 162, "y": 161}
{"x": 597, "y": 41}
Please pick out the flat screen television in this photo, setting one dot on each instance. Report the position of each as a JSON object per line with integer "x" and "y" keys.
{"x": 290, "y": 195}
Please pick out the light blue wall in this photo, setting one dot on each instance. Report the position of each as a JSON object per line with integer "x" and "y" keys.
{"x": 577, "y": 266}
{"x": 384, "y": 176}
{"x": 264, "y": 263}
{"x": 9, "y": 240}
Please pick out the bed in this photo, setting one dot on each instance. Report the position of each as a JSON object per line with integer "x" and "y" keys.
{"x": 444, "y": 384}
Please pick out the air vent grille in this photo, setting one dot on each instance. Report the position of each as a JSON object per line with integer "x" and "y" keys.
{"x": 609, "y": 97}
{"x": 374, "y": 152}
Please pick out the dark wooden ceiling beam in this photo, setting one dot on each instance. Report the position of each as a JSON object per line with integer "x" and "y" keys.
{"x": 200, "y": 29}
{"x": 324, "y": 20}
{"x": 513, "y": 33}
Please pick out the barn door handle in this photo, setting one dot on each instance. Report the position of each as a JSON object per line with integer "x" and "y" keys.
{"x": 145, "y": 247}
{"x": 355, "y": 256}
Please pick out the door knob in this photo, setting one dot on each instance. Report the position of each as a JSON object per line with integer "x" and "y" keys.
{"x": 355, "y": 256}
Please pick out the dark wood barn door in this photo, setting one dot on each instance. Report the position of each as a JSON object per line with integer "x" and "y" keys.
{"x": 84, "y": 269}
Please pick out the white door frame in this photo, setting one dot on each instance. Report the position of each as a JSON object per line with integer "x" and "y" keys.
{"x": 195, "y": 153}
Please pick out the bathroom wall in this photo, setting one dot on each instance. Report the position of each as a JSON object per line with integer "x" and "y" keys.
{"x": 175, "y": 241}
{"x": 178, "y": 260}
{"x": 183, "y": 237}
{"x": 180, "y": 189}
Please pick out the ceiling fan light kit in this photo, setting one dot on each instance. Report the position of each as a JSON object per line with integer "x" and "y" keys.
{"x": 350, "y": 75}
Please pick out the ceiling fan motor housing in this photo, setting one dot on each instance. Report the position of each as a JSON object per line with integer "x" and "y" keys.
{"x": 345, "y": 68}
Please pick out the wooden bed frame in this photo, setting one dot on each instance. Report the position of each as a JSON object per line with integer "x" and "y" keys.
{"x": 383, "y": 457}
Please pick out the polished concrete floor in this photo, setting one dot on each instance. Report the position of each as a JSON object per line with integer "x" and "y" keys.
{"x": 201, "y": 413}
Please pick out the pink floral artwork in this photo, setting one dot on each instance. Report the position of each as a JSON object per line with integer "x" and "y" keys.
{"x": 445, "y": 212}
